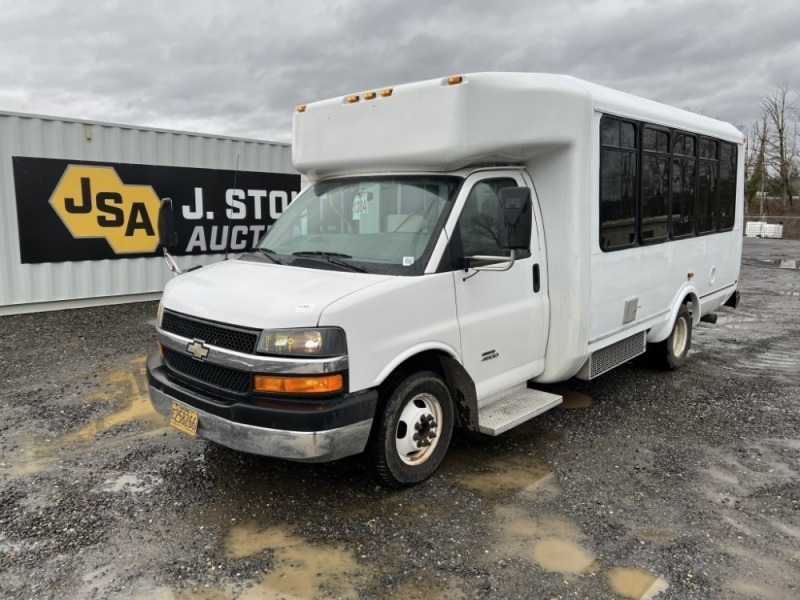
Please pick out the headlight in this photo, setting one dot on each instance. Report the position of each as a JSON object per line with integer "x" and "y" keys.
{"x": 160, "y": 313}
{"x": 317, "y": 342}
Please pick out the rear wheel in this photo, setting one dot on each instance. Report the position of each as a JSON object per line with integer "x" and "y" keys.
{"x": 671, "y": 353}
{"x": 414, "y": 430}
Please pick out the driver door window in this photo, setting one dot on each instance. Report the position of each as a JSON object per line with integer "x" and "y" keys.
{"x": 478, "y": 223}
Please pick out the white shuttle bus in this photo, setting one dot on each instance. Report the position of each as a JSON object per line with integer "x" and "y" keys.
{"x": 461, "y": 241}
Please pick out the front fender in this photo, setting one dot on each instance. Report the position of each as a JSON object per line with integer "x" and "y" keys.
{"x": 408, "y": 353}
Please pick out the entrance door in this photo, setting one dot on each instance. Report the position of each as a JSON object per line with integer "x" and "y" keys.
{"x": 502, "y": 315}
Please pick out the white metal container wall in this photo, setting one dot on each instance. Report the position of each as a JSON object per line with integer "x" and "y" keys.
{"x": 31, "y": 287}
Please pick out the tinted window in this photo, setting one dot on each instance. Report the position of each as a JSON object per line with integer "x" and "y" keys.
{"x": 727, "y": 185}
{"x": 673, "y": 184}
{"x": 707, "y": 196}
{"x": 708, "y": 148}
{"x": 683, "y": 197}
{"x": 620, "y": 134}
{"x": 683, "y": 144}
{"x": 655, "y": 139}
{"x": 617, "y": 199}
{"x": 655, "y": 196}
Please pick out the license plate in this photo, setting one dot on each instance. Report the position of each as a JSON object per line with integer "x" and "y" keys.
{"x": 184, "y": 419}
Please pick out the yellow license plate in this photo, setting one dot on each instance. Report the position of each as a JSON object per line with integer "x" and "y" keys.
{"x": 184, "y": 419}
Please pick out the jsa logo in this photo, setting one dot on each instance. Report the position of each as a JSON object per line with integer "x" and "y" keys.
{"x": 94, "y": 203}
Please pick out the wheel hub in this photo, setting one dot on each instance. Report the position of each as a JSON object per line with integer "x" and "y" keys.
{"x": 417, "y": 432}
{"x": 425, "y": 430}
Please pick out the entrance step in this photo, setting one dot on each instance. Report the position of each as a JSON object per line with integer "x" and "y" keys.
{"x": 512, "y": 407}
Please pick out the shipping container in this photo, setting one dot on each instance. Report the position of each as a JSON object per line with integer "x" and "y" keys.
{"x": 79, "y": 203}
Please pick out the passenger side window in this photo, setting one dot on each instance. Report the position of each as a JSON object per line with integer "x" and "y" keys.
{"x": 478, "y": 223}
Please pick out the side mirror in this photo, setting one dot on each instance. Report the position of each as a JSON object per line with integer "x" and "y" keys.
{"x": 516, "y": 219}
{"x": 167, "y": 235}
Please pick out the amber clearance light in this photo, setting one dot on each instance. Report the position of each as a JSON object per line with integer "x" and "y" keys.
{"x": 317, "y": 384}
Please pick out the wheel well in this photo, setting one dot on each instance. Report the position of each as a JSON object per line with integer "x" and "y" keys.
{"x": 458, "y": 381}
{"x": 692, "y": 303}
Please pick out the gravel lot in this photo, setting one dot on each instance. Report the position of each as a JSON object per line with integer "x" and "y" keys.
{"x": 645, "y": 484}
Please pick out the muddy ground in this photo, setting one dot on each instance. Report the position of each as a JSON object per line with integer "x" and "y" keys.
{"x": 644, "y": 484}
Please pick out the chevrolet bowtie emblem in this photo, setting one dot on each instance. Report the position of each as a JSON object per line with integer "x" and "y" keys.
{"x": 197, "y": 349}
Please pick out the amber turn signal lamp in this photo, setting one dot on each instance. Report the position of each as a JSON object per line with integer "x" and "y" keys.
{"x": 315, "y": 384}
{"x": 160, "y": 349}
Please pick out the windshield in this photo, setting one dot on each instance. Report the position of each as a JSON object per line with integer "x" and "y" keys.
{"x": 375, "y": 224}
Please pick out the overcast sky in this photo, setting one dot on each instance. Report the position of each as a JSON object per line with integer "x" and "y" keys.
{"x": 240, "y": 67}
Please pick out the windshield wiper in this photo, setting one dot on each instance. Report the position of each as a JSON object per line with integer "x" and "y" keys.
{"x": 321, "y": 253}
{"x": 267, "y": 252}
{"x": 331, "y": 257}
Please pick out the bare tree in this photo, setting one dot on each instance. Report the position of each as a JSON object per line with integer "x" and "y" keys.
{"x": 756, "y": 163}
{"x": 782, "y": 151}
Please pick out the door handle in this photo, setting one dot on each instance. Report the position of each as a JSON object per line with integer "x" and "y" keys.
{"x": 536, "y": 278}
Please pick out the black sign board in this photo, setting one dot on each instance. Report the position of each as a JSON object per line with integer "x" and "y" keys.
{"x": 75, "y": 210}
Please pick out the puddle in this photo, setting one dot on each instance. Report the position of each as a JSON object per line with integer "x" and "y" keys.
{"x": 131, "y": 483}
{"x": 751, "y": 589}
{"x": 573, "y": 400}
{"x": 504, "y": 477}
{"x": 558, "y": 545}
{"x": 429, "y": 588}
{"x": 655, "y": 535}
{"x": 550, "y": 541}
{"x": 562, "y": 556}
{"x": 740, "y": 320}
{"x": 129, "y": 385}
{"x": 783, "y": 263}
{"x": 636, "y": 584}
{"x": 761, "y": 575}
{"x": 300, "y": 569}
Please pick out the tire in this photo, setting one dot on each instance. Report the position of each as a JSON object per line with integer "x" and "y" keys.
{"x": 413, "y": 430}
{"x": 671, "y": 353}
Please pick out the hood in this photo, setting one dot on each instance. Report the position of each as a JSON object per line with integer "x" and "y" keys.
{"x": 261, "y": 295}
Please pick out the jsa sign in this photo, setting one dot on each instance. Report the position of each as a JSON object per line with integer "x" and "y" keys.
{"x": 73, "y": 210}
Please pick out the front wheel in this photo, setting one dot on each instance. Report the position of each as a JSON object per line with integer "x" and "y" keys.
{"x": 414, "y": 430}
{"x": 671, "y": 353}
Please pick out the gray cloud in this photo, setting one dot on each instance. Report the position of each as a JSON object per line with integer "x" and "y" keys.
{"x": 240, "y": 68}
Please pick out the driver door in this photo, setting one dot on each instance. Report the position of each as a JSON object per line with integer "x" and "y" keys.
{"x": 502, "y": 315}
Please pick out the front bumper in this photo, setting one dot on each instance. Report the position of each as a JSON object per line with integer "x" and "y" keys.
{"x": 306, "y": 431}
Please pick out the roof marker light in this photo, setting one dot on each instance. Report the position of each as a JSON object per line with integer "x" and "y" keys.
{"x": 369, "y": 95}
{"x": 301, "y": 108}
{"x": 386, "y": 93}
{"x": 454, "y": 79}
{"x": 352, "y": 99}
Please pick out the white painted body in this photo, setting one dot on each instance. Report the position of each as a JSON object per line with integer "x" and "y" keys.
{"x": 546, "y": 127}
